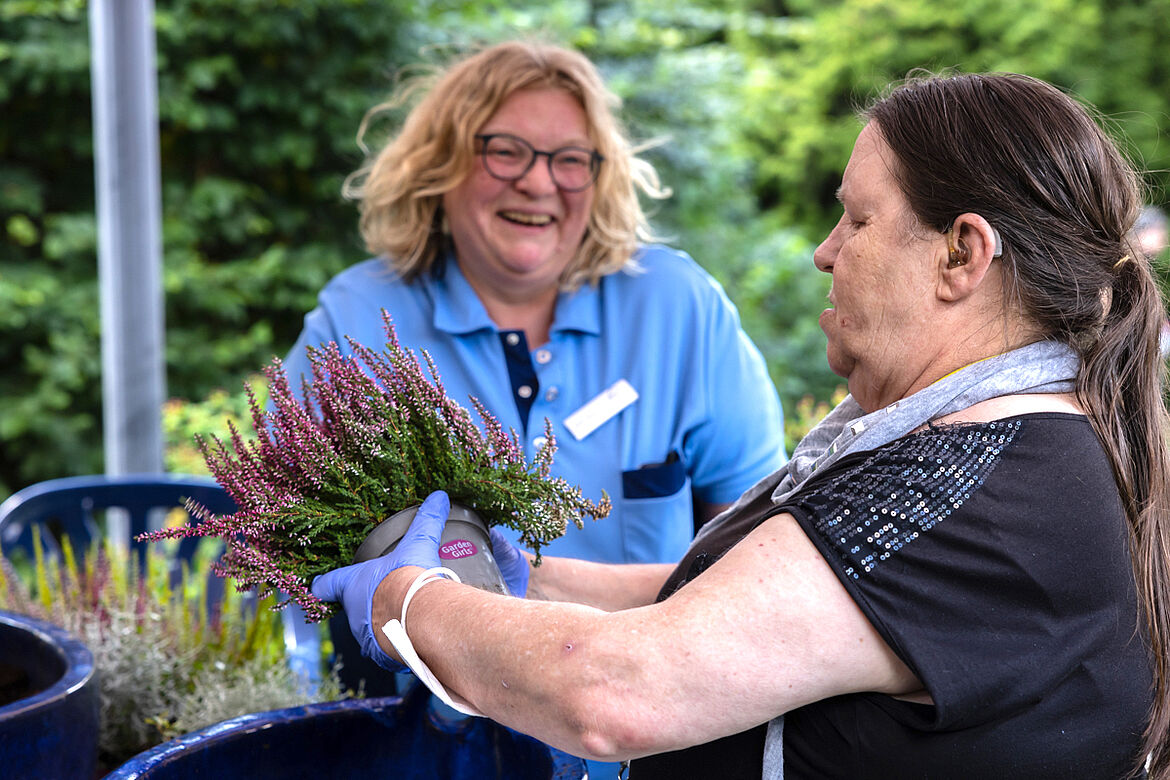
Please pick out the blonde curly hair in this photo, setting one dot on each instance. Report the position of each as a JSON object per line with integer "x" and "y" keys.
{"x": 401, "y": 186}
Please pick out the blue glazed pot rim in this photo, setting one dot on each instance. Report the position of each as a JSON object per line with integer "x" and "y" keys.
{"x": 174, "y": 759}
{"x": 253, "y": 721}
{"x": 77, "y": 658}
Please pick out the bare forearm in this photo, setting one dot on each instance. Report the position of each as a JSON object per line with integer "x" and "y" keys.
{"x": 606, "y": 685}
{"x": 534, "y": 666}
{"x": 608, "y": 587}
{"x": 624, "y": 683}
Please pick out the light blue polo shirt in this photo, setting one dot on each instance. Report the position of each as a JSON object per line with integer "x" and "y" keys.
{"x": 706, "y": 417}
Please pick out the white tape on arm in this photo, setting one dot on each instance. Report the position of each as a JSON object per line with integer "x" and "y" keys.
{"x": 395, "y": 631}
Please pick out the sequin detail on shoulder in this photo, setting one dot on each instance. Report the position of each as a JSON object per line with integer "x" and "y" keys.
{"x": 874, "y": 508}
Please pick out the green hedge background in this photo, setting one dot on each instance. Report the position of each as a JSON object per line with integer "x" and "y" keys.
{"x": 259, "y": 103}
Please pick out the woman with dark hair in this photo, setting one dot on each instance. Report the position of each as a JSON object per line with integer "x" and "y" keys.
{"x": 962, "y": 571}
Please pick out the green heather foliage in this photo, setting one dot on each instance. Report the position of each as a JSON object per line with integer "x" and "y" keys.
{"x": 369, "y": 435}
{"x": 259, "y": 103}
{"x": 165, "y": 665}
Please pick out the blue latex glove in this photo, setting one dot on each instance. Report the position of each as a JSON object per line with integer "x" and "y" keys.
{"x": 513, "y": 565}
{"x": 354, "y": 585}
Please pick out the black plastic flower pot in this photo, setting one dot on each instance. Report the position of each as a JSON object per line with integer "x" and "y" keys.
{"x": 465, "y": 546}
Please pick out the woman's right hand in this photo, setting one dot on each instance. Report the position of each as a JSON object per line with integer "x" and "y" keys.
{"x": 354, "y": 586}
{"x": 513, "y": 564}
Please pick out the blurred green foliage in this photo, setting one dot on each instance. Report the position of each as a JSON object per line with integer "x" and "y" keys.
{"x": 210, "y": 416}
{"x": 259, "y": 102}
{"x": 258, "y": 106}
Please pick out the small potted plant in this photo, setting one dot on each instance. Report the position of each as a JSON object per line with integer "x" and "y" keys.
{"x": 370, "y": 435}
{"x": 170, "y": 657}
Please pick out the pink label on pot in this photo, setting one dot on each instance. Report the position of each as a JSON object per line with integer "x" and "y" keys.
{"x": 457, "y": 548}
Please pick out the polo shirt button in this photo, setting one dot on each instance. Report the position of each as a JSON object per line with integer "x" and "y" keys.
{"x": 513, "y": 339}
{"x": 543, "y": 356}
{"x": 539, "y": 442}
{"x": 551, "y": 394}
{"x": 524, "y": 391}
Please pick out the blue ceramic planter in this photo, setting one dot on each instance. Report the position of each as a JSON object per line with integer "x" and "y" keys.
{"x": 49, "y": 723}
{"x": 362, "y": 738}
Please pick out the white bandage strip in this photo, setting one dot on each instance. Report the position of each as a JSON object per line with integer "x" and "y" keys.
{"x": 395, "y": 631}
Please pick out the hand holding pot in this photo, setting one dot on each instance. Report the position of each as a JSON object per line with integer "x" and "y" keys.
{"x": 354, "y": 585}
{"x": 513, "y": 564}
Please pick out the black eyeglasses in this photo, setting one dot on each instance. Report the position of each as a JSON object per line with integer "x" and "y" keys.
{"x": 509, "y": 158}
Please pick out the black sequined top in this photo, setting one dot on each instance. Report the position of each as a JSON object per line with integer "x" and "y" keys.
{"x": 993, "y": 558}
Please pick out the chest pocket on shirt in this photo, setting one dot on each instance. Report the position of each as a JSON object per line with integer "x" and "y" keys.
{"x": 655, "y": 480}
{"x": 657, "y": 516}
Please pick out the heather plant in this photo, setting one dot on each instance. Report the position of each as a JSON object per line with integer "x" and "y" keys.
{"x": 368, "y": 435}
{"x": 166, "y": 663}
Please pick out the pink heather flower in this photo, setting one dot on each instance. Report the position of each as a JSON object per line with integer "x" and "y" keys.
{"x": 369, "y": 434}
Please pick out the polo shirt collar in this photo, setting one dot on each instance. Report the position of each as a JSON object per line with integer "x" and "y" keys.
{"x": 458, "y": 310}
{"x": 579, "y": 311}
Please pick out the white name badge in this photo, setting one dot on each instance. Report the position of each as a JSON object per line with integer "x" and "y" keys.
{"x": 592, "y": 415}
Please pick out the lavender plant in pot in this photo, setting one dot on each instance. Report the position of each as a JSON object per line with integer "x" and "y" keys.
{"x": 371, "y": 435}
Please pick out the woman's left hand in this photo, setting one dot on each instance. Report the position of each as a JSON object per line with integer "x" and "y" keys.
{"x": 354, "y": 585}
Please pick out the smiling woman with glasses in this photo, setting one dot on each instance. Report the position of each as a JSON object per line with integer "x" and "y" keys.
{"x": 510, "y": 243}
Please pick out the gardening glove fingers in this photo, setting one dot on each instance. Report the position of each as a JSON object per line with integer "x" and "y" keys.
{"x": 512, "y": 563}
{"x": 420, "y": 543}
{"x": 354, "y": 585}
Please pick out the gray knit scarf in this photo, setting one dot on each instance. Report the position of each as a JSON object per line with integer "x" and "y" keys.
{"x": 1042, "y": 367}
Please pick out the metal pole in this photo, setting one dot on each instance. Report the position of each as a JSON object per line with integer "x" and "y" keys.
{"x": 126, "y": 162}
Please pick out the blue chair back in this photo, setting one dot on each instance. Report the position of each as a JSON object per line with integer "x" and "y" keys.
{"x": 69, "y": 507}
